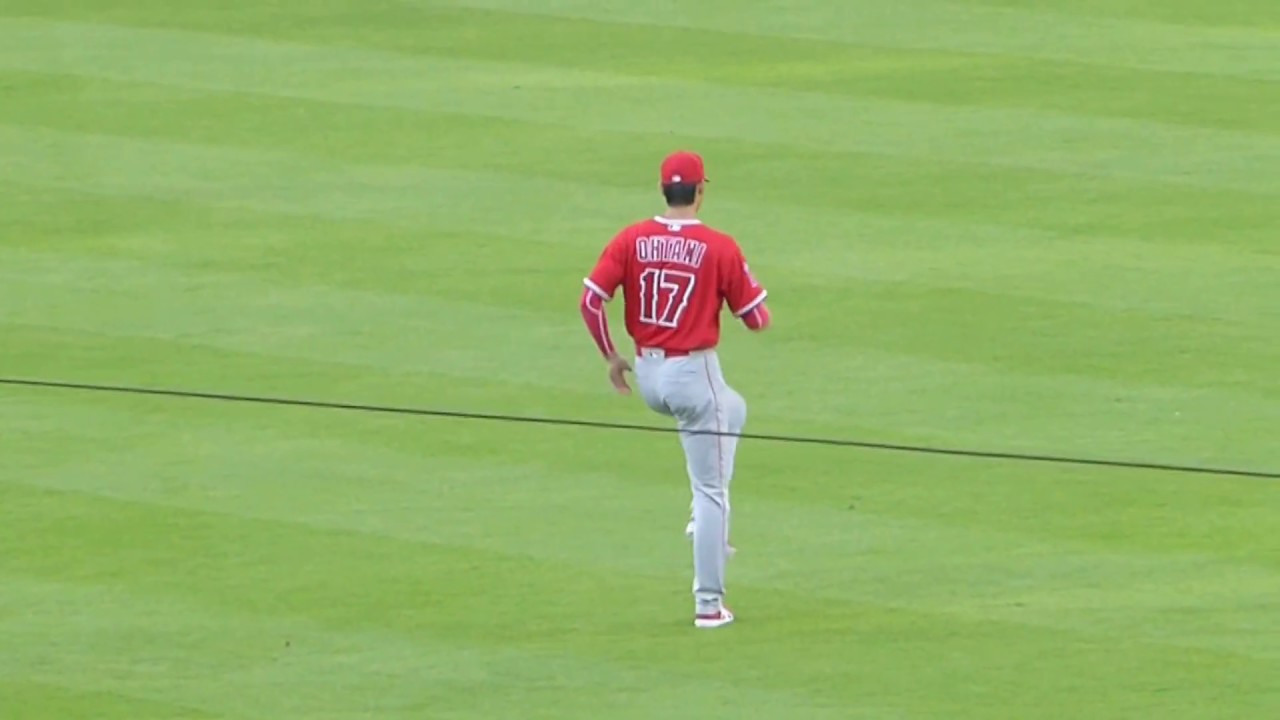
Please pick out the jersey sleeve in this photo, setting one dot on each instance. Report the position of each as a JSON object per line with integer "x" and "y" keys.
{"x": 610, "y": 269}
{"x": 739, "y": 287}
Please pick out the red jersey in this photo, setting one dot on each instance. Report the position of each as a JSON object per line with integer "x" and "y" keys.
{"x": 675, "y": 276}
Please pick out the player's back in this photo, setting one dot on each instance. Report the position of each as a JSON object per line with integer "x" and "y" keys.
{"x": 677, "y": 275}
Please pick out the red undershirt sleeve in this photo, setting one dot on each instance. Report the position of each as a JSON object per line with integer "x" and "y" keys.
{"x": 593, "y": 315}
{"x": 603, "y": 281}
{"x": 757, "y": 318}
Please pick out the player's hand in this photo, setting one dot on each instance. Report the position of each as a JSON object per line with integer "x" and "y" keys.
{"x": 618, "y": 368}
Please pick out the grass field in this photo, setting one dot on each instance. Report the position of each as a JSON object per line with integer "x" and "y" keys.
{"x": 1039, "y": 226}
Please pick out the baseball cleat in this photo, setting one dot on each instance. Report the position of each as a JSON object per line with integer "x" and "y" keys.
{"x": 713, "y": 620}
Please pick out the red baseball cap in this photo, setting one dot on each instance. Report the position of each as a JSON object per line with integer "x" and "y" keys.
{"x": 683, "y": 167}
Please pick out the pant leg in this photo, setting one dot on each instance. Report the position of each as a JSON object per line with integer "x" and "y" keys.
{"x": 702, "y": 404}
{"x": 736, "y": 420}
{"x": 650, "y": 381}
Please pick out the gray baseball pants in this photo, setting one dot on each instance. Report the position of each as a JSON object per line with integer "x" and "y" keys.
{"x": 692, "y": 390}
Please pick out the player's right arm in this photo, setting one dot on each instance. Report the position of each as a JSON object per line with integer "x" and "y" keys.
{"x": 744, "y": 295}
{"x": 601, "y": 284}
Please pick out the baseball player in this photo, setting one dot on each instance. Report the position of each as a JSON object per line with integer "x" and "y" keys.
{"x": 675, "y": 274}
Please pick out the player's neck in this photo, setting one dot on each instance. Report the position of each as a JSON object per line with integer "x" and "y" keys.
{"x": 680, "y": 213}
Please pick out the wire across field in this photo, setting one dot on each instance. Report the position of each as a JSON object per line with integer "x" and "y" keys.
{"x": 566, "y": 422}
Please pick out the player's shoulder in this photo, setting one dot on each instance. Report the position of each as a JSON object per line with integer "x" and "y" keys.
{"x": 651, "y": 226}
{"x": 637, "y": 229}
{"x": 717, "y": 235}
{"x": 718, "y": 241}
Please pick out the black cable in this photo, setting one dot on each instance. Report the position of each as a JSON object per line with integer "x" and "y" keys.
{"x": 459, "y": 415}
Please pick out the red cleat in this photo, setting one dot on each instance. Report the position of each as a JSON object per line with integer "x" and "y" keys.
{"x": 713, "y": 620}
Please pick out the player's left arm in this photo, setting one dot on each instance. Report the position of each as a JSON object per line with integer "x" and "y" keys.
{"x": 744, "y": 294}
{"x": 758, "y": 318}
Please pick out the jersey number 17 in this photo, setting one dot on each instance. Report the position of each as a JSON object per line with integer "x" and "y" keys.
{"x": 664, "y": 296}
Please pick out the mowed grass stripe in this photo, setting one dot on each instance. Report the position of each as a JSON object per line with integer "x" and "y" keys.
{"x": 1078, "y": 34}
{"x": 1005, "y": 137}
{"x": 355, "y": 584}
{"x": 1171, "y": 411}
{"x": 373, "y": 476}
{"x": 339, "y": 674}
{"x": 1173, "y": 422}
{"x": 276, "y": 182}
{"x": 869, "y": 560}
{"x": 842, "y": 486}
{"x": 756, "y": 181}
{"x": 892, "y": 267}
{"x": 45, "y": 351}
{"x": 875, "y": 235}
{"x": 953, "y": 26}
{"x": 296, "y": 184}
{"x": 431, "y": 336}
{"x": 338, "y": 588}
{"x": 422, "y": 328}
{"x": 865, "y": 245}
{"x": 945, "y": 77}
{"x": 56, "y": 697}
{"x": 356, "y": 653}
{"x": 413, "y": 331}
{"x": 1250, "y": 15}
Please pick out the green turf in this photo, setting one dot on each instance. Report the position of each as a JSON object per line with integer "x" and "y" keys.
{"x": 1042, "y": 226}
